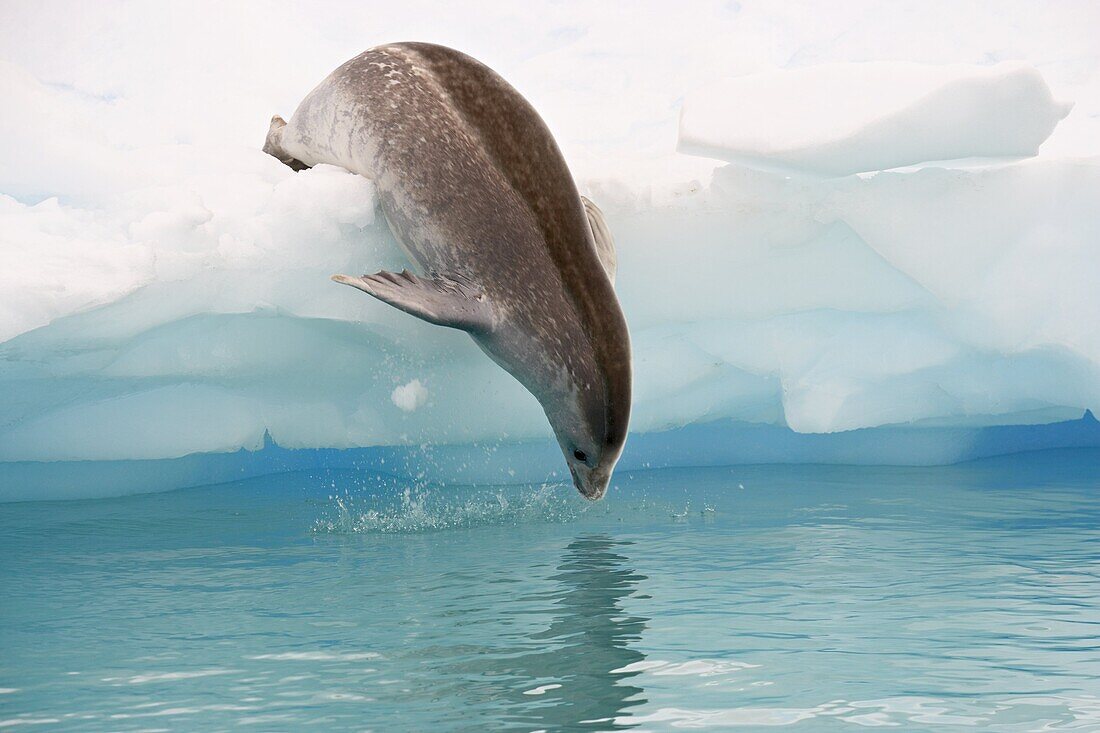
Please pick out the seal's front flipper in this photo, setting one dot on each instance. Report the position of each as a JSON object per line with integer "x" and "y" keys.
{"x": 605, "y": 245}
{"x": 441, "y": 301}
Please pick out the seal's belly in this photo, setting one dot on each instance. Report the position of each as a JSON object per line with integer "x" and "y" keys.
{"x": 447, "y": 229}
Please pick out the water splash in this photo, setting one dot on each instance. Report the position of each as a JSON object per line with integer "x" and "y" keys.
{"x": 423, "y": 508}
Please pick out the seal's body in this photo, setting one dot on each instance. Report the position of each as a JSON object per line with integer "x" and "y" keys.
{"x": 477, "y": 192}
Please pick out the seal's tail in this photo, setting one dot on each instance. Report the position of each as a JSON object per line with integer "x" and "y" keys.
{"x": 273, "y": 145}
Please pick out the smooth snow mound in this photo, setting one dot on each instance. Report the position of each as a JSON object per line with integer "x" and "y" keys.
{"x": 839, "y": 119}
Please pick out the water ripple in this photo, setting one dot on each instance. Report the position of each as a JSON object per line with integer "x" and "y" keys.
{"x": 824, "y": 598}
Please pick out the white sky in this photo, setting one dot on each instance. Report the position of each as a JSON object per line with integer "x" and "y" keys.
{"x": 84, "y": 82}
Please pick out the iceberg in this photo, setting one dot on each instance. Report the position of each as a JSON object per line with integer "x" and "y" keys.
{"x": 839, "y": 119}
{"x": 184, "y": 326}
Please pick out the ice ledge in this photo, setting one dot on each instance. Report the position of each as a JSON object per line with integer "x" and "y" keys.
{"x": 840, "y": 119}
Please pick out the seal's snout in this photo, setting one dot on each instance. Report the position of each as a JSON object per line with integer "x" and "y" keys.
{"x": 591, "y": 484}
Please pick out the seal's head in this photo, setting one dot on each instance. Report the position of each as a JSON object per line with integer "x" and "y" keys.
{"x": 591, "y": 439}
{"x": 591, "y": 472}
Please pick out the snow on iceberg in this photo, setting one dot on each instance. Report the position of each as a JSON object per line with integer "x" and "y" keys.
{"x": 409, "y": 396}
{"x": 839, "y": 119}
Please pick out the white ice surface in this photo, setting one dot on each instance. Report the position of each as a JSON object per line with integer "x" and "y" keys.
{"x": 839, "y": 119}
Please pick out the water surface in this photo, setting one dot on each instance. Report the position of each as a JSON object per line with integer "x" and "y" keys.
{"x": 812, "y": 597}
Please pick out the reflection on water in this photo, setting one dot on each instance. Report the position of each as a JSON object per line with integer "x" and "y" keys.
{"x": 578, "y": 675}
{"x": 554, "y": 650}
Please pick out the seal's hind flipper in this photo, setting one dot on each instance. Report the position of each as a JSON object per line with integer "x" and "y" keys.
{"x": 605, "y": 245}
{"x": 441, "y": 301}
{"x": 273, "y": 145}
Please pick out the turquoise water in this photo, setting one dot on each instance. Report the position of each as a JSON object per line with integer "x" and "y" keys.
{"x": 818, "y": 598}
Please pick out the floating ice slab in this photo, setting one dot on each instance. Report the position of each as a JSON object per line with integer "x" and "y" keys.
{"x": 839, "y": 119}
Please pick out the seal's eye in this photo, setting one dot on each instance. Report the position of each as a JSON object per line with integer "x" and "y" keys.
{"x": 580, "y": 455}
